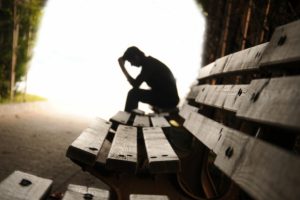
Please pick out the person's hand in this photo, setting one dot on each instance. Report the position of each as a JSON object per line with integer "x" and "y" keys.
{"x": 121, "y": 61}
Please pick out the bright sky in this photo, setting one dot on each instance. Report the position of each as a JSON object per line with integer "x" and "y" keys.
{"x": 79, "y": 42}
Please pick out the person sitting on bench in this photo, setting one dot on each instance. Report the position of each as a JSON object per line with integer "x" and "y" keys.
{"x": 163, "y": 90}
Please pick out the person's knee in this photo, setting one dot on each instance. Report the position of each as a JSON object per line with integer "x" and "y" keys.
{"x": 133, "y": 93}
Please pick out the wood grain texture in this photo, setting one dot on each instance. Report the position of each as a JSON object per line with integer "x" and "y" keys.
{"x": 148, "y": 197}
{"x": 234, "y": 97}
{"x": 23, "y": 186}
{"x": 275, "y": 101}
{"x": 220, "y": 64}
{"x": 141, "y": 121}
{"x": 245, "y": 60}
{"x": 194, "y": 90}
{"x": 206, "y": 130}
{"x": 121, "y": 117}
{"x": 204, "y": 72}
{"x": 226, "y": 97}
{"x": 78, "y": 192}
{"x": 159, "y": 121}
{"x": 87, "y": 146}
{"x": 284, "y": 46}
{"x": 161, "y": 156}
{"x": 261, "y": 169}
{"x": 186, "y": 109}
{"x": 123, "y": 152}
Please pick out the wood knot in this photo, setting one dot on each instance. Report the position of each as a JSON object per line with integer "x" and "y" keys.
{"x": 229, "y": 152}
{"x": 281, "y": 40}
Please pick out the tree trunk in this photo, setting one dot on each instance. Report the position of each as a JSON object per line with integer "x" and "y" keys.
{"x": 14, "y": 50}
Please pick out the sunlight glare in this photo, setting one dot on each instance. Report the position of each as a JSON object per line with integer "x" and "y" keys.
{"x": 79, "y": 42}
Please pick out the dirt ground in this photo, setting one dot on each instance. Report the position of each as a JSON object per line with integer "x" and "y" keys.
{"x": 34, "y": 138}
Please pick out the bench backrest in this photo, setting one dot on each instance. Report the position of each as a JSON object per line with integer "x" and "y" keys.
{"x": 245, "y": 108}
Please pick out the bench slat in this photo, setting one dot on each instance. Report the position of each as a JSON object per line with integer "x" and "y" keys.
{"x": 205, "y": 130}
{"x": 186, "y": 109}
{"x": 159, "y": 121}
{"x": 273, "y": 101}
{"x": 141, "y": 121}
{"x": 245, "y": 60}
{"x": 148, "y": 197}
{"x": 204, "y": 72}
{"x": 194, "y": 92}
{"x": 226, "y": 97}
{"x": 120, "y": 117}
{"x": 234, "y": 97}
{"x": 23, "y": 186}
{"x": 261, "y": 169}
{"x": 123, "y": 151}
{"x": 284, "y": 45}
{"x": 87, "y": 146}
{"x": 78, "y": 192}
{"x": 161, "y": 157}
{"x": 220, "y": 63}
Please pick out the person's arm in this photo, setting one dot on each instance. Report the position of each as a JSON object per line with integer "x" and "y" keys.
{"x": 121, "y": 61}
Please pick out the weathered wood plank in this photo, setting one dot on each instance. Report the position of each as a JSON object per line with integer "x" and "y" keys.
{"x": 284, "y": 46}
{"x": 220, "y": 64}
{"x": 194, "y": 90}
{"x": 245, "y": 60}
{"x": 121, "y": 117}
{"x": 186, "y": 109}
{"x": 226, "y": 97}
{"x": 204, "y": 72}
{"x": 78, "y": 192}
{"x": 261, "y": 169}
{"x": 141, "y": 121}
{"x": 23, "y": 186}
{"x": 206, "y": 130}
{"x": 234, "y": 96}
{"x": 161, "y": 156}
{"x": 87, "y": 146}
{"x": 159, "y": 121}
{"x": 275, "y": 101}
{"x": 123, "y": 152}
{"x": 148, "y": 197}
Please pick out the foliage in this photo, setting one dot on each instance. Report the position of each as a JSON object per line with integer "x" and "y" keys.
{"x": 29, "y": 13}
{"x": 20, "y": 97}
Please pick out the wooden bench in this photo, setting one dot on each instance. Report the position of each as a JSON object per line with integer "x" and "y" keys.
{"x": 130, "y": 146}
{"x": 240, "y": 124}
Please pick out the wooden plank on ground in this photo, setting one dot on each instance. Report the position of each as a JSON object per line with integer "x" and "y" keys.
{"x": 284, "y": 46}
{"x": 159, "y": 121}
{"x": 123, "y": 152}
{"x": 87, "y": 146}
{"x": 161, "y": 156}
{"x": 23, "y": 186}
{"x": 148, "y": 197}
{"x": 186, "y": 109}
{"x": 141, "y": 121}
{"x": 204, "y": 72}
{"x": 121, "y": 117}
{"x": 78, "y": 192}
{"x": 261, "y": 169}
{"x": 273, "y": 101}
{"x": 206, "y": 130}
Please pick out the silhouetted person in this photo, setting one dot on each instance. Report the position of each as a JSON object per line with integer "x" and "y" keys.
{"x": 163, "y": 91}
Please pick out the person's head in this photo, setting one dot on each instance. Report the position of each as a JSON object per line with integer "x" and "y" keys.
{"x": 134, "y": 56}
